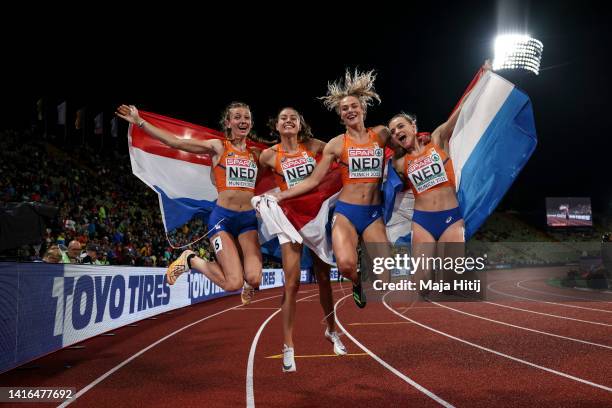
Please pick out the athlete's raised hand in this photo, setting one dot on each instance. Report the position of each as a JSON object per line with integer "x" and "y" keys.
{"x": 128, "y": 113}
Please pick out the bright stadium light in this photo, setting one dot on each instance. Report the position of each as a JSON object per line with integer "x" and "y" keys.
{"x": 516, "y": 51}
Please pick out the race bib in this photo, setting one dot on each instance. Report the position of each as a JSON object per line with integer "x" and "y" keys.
{"x": 296, "y": 169}
{"x": 365, "y": 162}
{"x": 240, "y": 172}
{"x": 427, "y": 172}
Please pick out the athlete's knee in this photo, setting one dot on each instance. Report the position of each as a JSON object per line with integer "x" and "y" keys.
{"x": 233, "y": 283}
{"x": 254, "y": 281}
{"x": 252, "y": 275}
{"x": 346, "y": 265}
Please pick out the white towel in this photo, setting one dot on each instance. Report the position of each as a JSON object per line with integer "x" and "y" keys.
{"x": 275, "y": 220}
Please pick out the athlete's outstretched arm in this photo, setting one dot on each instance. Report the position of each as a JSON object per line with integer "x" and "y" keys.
{"x": 317, "y": 175}
{"x": 130, "y": 114}
{"x": 442, "y": 134}
{"x": 383, "y": 133}
{"x": 316, "y": 146}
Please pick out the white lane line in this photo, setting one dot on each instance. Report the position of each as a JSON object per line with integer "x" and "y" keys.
{"x": 524, "y": 328}
{"x": 250, "y": 391}
{"x": 498, "y": 353}
{"x": 547, "y": 314}
{"x": 557, "y": 294}
{"x": 490, "y": 287}
{"x": 387, "y": 365}
{"x": 144, "y": 350}
{"x": 590, "y": 290}
{"x": 540, "y": 301}
{"x": 517, "y": 284}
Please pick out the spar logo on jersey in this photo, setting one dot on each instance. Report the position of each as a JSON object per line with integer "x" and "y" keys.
{"x": 427, "y": 171}
{"x": 240, "y": 172}
{"x": 296, "y": 169}
{"x": 365, "y": 162}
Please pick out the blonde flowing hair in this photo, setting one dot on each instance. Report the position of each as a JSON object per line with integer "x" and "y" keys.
{"x": 226, "y": 115}
{"x": 357, "y": 84}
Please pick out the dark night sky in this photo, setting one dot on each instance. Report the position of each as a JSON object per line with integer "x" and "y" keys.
{"x": 190, "y": 64}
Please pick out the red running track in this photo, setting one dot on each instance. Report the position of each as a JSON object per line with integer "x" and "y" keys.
{"x": 523, "y": 347}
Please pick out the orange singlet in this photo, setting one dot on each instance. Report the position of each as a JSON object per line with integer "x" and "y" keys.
{"x": 291, "y": 168}
{"x": 430, "y": 169}
{"x": 236, "y": 170}
{"x": 362, "y": 163}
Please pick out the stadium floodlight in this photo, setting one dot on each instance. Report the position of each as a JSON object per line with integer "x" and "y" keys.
{"x": 517, "y": 51}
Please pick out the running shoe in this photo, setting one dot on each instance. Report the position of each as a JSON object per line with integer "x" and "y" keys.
{"x": 333, "y": 337}
{"x": 359, "y": 294}
{"x": 288, "y": 359}
{"x": 178, "y": 267}
{"x": 247, "y": 293}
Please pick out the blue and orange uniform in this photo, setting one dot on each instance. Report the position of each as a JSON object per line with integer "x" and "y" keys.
{"x": 361, "y": 163}
{"x": 292, "y": 168}
{"x": 430, "y": 170}
{"x": 236, "y": 170}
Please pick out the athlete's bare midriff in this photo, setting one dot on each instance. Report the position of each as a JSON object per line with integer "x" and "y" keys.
{"x": 438, "y": 199}
{"x": 235, "y": 200}
{"x": 361, "y": 193}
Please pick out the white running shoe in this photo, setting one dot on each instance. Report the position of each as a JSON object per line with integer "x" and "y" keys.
{"x": 333, "y": 337}
{"x": 288, "y": 359}
{"x": 248, "y": 292}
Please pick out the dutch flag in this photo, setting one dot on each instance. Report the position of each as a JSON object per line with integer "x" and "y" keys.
{"x": 184, "y": 186}
{"x": 492, "y": 141}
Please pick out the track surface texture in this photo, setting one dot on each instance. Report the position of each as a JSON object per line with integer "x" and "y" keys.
{"x": 528, "y": 344}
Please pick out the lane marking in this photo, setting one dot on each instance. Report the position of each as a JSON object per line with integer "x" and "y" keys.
{"x": 498, "y": 353}
{"x": 320, "y": 355}
{"x": 374, "y": 323}
{"x": 144, "y": 350}
{"x": 559, "y": 295}
{"x": 489, "y": 287}
{"x": 250, "y": 391}
{"x": 382, "y": 362}
{"x": 548, "y": 314}
{"x": 557, "y": 303}
{"x": 524, "y": 328}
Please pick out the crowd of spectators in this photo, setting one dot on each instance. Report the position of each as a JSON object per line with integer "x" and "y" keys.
{"x": 108, "y": 216}
{"x": 108, "y": 213}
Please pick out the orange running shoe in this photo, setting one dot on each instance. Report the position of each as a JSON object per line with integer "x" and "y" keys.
{"x": 178, "y": 267}
{"x": 248, "y": 292}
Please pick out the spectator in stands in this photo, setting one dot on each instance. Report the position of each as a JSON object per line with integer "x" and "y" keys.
{"x": 104, "y": 259}
{"x": 70, "y": 224}
{"x": 53, "y": 255}
{"x": 74, "y": 252}
{"x": 91, "y": 256}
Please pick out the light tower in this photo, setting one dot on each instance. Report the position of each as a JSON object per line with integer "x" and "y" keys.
{"x": 517, "y": 51}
